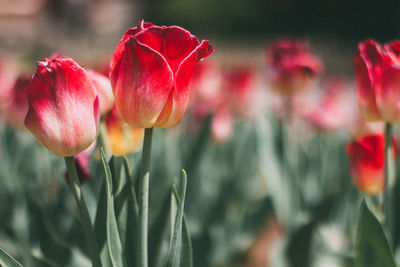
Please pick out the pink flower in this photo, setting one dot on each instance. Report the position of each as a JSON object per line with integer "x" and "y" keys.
{"x": 104, "y": 90}
{"x": 150, "y": 73}
{"x": 367, "y": 162}
{"x": 63, "y": 106}
{"x": 292, "y": 68}
{"x": 221, "y": 126}
{"x": 17, "y": 107}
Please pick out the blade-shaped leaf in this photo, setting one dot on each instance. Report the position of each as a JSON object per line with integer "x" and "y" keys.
{"x": 173, "y": 257}
{"x": 7, "y": 260}
{"x": 113, "y": 239}
{"x": 186, "y": 248}
{"x": 372, "y": 248}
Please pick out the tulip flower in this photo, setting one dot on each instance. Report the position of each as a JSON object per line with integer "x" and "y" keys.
{"x": 16, "y": 109}
{"x": 292, "y": 68}
{"x": 104, "y": 91}
{"x": 367, "y": 162}
{"x": 123, "y": 138}
{"x": 150, "y": 73}
{"x": 63, "y": 106}
{"x": 378, "y": 75}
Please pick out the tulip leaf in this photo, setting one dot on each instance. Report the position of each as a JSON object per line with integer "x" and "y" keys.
{"x": 174, "y": 251}
{"x": 113, "y": 239}
{"x": 186, "y": 259}
{"x": 7, "y": 260}
{"x": 100, "y": 226}
{"x": 372, "y": 247}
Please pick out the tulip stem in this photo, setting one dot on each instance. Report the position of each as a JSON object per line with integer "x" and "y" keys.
{"x": 83, "y": 211}
{"x": 389, "y": 174}
{"x": 144, "y": 199}
{"x": 103, "y": 139}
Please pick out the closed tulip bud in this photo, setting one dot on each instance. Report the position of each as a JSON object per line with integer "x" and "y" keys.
{"x": 17, "y": 107}
{"x": 367, "y": 162}
{"x": 63, "y": 109}
{"x": 104, "y": 90}
{"x": 150, "y": 73}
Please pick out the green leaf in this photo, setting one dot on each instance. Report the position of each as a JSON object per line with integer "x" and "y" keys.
{"x": 372, "y": 248}
{"x": 186, "y": 248}
{"x": 113, "y": 239}
{"x": 8, "y": 261}
{"x": 174, "y": 251}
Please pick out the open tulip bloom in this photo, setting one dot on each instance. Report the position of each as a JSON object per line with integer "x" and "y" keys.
{"x": 151, "y": 70}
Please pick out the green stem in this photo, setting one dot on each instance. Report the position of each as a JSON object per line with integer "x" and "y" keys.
{"x": 389, "y": 174}
{"x": 144, "y": 199}
{"x": 103, "y": 139}
{"x": 83, "y": 212}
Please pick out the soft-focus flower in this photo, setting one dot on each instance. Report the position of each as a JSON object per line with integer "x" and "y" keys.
{"x": 64, "y": 109}
{"x": 378, "y": 77}
{"x": 221, "y": 126}
{"x": 82, "y": 161}
{"x": 333, "y": 109}
{"x": 104, "y": 91}
{"x": 367, "y": 162}
{"x": 150, "y": 73}
{"x": 17, "y": 107}
{"x": 238, "y": 88}
{"x": 123, "y": 138}
{"x": 291, "y": 67}
{"x": 206, "y": 83}
{"x": 8, "y": 76}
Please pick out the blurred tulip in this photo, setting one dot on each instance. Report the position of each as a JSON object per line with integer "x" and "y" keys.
{"x": 82, "y": 164}
{"x": 206, "y": 83}
{"x": 150, "y": 73}
{"x": 367, "y": 162}
{"x": 104, "y": 91}
{"x": 292, "y": 69}
{"x": 238, "y": 89}
{"x": 378, "y": 78}
{"x": 221, "y": 126}
{"x": 63, "y": 106}
{"x": 8, "y": 76}
{"x": 123, "y": 138}
{"x": 333, "y": 109}
{"x": 17, "y": 107}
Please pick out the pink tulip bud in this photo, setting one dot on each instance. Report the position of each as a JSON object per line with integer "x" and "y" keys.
{"x": 104, "y": 90}
{"x": 367, "y": 162}
{"x": 17, "y": 107}
{"x": 63, "y": 106}
{"x": 150, "y": 73}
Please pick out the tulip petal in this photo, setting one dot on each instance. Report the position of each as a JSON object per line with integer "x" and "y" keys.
{"x": 119, "y": 50}
{"x": 143, "y": 81}
{"x": 366, "y": 92}
{"x": 388, "y": 94}
{"x": 176, "y": 105}
{"x": 63, "y": 107}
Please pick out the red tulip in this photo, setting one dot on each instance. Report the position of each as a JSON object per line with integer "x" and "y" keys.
{"x": 367, "y": 162}
{"x": 150, "y": 73}
{"x": 63, "y": 106}
{"x": 292, "y": 68}
{"x": 378, "y": 78}
{"x": 104, "y": 90}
